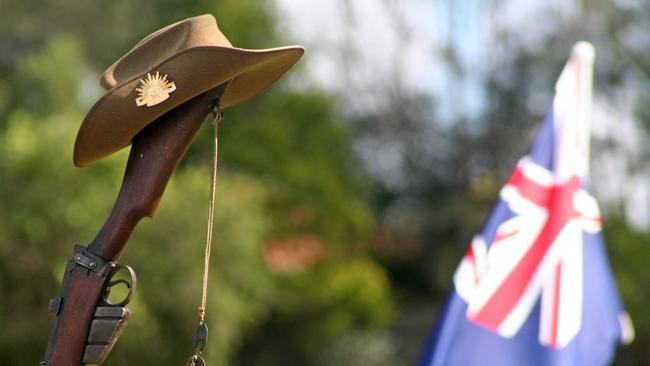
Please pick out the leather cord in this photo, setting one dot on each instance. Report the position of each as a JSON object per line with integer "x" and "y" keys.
{"x": 202, "y": 331}
{"x": 218, "y": 116}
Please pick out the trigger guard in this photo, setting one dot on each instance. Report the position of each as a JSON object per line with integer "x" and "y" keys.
{"x": 130, "y": 285}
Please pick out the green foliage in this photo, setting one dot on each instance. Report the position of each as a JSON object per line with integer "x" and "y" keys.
{"x": 629, "y": 256}
{"x": 340, "y": 298}
{"x": 361, "y": 349}
{"x": 339, "y": 295}
{"x": 48, "y": 80}
{"x": 295, "y": 143}
{"x": 37, "y": 218}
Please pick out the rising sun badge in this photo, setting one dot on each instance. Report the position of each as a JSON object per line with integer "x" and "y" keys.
{"x": 154, "y": 90}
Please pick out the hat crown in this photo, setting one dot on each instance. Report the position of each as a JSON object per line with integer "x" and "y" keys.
{"x": 163, "y": 44}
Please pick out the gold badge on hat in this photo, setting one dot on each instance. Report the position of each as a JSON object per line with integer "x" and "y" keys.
{"x": 154, "y": 90}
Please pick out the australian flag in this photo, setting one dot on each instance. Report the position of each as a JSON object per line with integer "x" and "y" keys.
{"x": 534, "y": 287}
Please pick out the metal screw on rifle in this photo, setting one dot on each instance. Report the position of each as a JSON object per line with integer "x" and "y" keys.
{"x": 78, "y": 258}
{"x": 91, "y": 264}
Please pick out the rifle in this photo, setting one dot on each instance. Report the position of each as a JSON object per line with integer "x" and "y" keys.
{"x": 88, "y": 324}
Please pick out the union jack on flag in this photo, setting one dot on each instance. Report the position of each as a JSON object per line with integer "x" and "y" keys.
{"x": 534, "y": 287}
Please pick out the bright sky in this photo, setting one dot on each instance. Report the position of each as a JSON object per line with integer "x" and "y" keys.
{"x": 376, "y": 49}
{"x": 373, "y": 47}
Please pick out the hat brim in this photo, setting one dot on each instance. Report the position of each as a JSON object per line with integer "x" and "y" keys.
{"x": 115, "y": 119}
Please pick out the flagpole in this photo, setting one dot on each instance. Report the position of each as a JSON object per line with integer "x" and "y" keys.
{"x": 584, "y": 55}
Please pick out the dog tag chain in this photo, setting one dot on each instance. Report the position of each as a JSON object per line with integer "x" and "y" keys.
{"x": 202, "y": 330}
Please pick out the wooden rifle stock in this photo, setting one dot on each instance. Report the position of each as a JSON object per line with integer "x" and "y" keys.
{"x": 155, "y": 152}
{"x": 154, "y": 155}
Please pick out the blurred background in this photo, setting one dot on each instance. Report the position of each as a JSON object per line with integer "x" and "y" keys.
{"x": 347, "y": 193}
